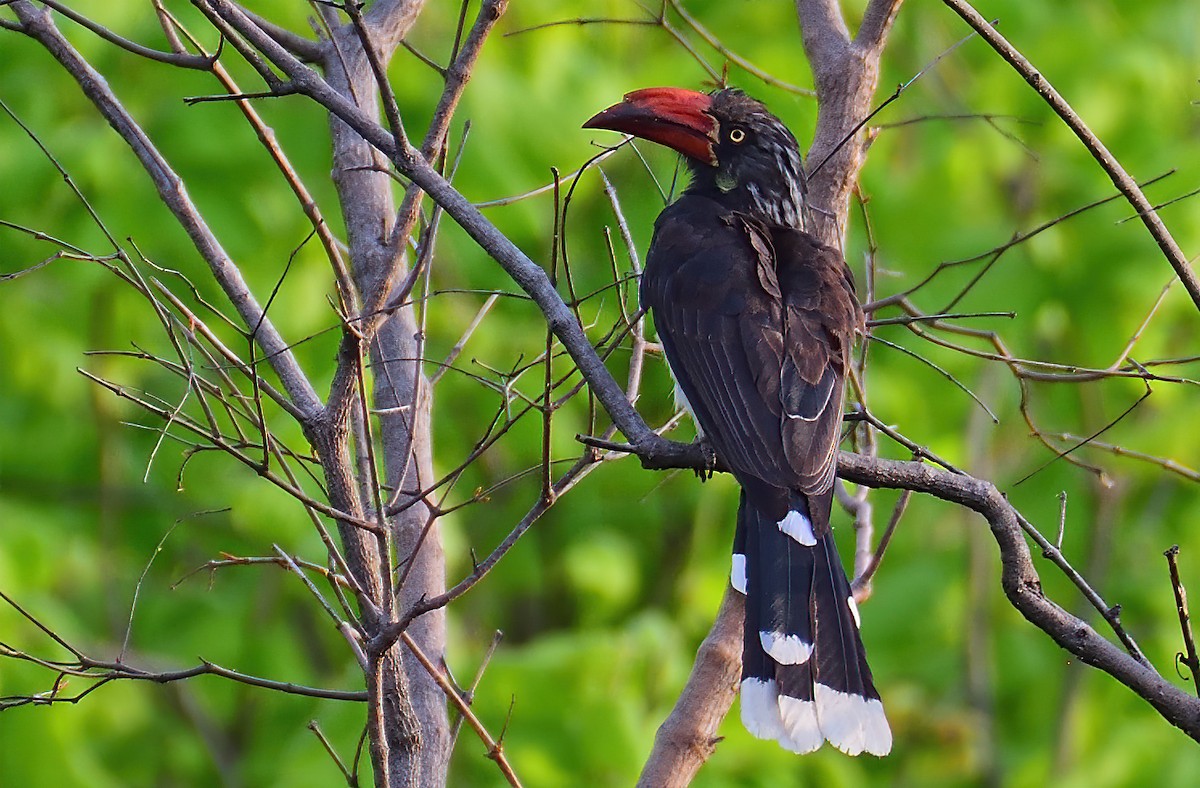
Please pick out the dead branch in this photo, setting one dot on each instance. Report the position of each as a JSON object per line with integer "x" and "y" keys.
{"x": 38, "y": 25}
{"x": 1120, "y": 178}
{"x": 383, "y": 344}
{"x": 1188, "y": 656}
{"x": 100, "y": 672}
{"x": 721, "y": 656}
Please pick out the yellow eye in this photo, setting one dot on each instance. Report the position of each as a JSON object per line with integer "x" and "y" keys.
{"x": 736, "y": 136}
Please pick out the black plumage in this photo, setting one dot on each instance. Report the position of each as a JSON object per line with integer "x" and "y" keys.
{"x": 757, "y": 319}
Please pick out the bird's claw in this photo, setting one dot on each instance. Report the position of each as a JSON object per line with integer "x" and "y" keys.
{"x": 710, "y": 458}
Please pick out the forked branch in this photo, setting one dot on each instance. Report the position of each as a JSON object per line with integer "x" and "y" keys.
{"x": 1123, "y": 181}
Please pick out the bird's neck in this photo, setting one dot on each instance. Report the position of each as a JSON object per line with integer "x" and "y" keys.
{"x": 779, "y": 202}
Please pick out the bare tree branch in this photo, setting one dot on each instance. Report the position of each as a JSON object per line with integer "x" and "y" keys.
{"x": 304, "y": 48}
{"x": 1188, "y": 656}
{"x": 1120, "y": 178}
{"x": 39, "y": 26}
{"x": 527, "y": 274}
{"x": 102, "y": 672}
{"x": 877, "y": 22}
{"x": 183, "y": 60}
{"x": 845, "y": 74}
{"x": 379, "y": 403}
{"x": 495, "y": 748}
{"x": 721, "y": 655}
{"x": 390, "y": 21}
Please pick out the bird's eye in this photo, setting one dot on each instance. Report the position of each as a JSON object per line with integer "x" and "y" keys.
{"x": 737, "y": 136}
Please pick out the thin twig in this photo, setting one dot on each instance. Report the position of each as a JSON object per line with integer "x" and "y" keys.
{"x": 495, "y": 749}
{"x": 40, "y": 27}
{"x": 1188, "y": 658}
{"x": 337, "y": 761}
{"x": 1062, "y": 518}
{"x": 714, "y": 42}
{"x": 183, "y": 60}
{"x": 469, "y": 695}
{"x": 862, "y": 583}
{"x": 1127, "y": 185}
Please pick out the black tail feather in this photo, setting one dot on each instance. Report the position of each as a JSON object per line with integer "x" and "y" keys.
{"x": 805, "y": 677}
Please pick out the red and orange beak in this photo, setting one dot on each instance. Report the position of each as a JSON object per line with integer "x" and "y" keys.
{"x": 673, "y": 117}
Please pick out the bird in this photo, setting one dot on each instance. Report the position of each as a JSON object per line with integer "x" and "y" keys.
{"x": 757, "y": 319}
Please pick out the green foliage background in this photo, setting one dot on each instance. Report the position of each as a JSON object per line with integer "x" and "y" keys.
{"x": 605, "y": 600}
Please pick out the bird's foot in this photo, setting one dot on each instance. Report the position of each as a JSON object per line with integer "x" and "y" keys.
{"x": 710, "y": 458}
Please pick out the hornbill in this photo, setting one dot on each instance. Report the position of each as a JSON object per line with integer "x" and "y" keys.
{"x": 757, "y": 318}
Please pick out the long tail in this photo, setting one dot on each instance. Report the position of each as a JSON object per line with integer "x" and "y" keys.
{"x": 805, "y": 678}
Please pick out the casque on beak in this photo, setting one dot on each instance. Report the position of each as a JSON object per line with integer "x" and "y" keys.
{"x": 673, "y": 117}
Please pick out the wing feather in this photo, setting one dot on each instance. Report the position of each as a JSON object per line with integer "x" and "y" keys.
{"x": 757, "y": 323}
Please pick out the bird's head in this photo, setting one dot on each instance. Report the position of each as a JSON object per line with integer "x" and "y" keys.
{"x": 739, "y": 153}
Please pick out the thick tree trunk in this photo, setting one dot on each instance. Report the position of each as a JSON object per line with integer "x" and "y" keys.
{"x": 409, "y": 721}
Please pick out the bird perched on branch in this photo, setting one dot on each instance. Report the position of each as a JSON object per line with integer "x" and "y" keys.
{"x": 757, "y": 318}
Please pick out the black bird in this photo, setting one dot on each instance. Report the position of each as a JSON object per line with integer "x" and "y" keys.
{"x": 757, "y": 318}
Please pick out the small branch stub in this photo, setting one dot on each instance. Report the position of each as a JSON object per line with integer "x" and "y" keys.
{"x": 1188, "y": 657}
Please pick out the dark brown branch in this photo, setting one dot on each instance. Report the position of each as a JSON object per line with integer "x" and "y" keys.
{"x": 1188, "y": 657}
{"x": 495, "y": 749}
